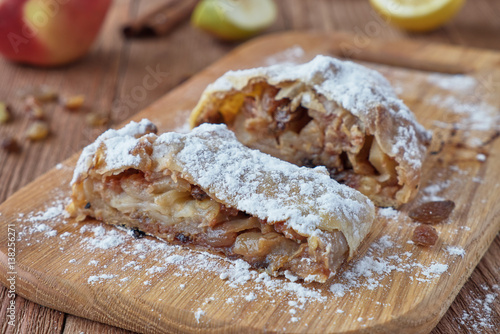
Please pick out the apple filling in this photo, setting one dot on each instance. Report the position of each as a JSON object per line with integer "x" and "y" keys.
{"x": 284, "y": 128}
{"x": 169, "y": 207}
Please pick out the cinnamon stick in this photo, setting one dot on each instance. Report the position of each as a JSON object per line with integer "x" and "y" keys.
{"x": 161, "y": 20}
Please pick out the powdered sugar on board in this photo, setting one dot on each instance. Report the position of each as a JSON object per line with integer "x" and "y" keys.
{"x": 292, "y": 55}
{"x": 468, "y": 103}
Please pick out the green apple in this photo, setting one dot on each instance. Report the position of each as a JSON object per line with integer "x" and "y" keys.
{"x": 234, "y": 19}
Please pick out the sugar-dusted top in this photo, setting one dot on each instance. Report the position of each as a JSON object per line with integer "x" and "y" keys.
{"x": 324, "y": 84}
{"x": 356, "y": 88}
{"x": 118, "y": 145}
{"x": 306, "y": 199}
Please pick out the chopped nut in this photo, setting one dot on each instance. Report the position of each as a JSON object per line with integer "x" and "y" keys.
{"x": 424, "y": 235}
{"x": 74, "y": 102}
{"x": 34, "y": 108}
{"x": 11, "y": 145}
{"x": 5, "y": 113}
{"x": 46, "y": 94}
{"x": 432, "y": 212}
{"x": 37, "y": 131}
{"x": 96, "y": 120}
{"x": 41, "y": 93}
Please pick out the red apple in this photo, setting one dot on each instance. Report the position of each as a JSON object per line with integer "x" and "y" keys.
{"x": 49, "y": 32}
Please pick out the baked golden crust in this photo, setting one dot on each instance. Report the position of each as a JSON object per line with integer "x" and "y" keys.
{"x": 324, "y": 113}
{"x": 207, "y": 190}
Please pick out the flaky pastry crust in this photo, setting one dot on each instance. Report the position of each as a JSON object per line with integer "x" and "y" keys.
{"x": 329, "y": 113}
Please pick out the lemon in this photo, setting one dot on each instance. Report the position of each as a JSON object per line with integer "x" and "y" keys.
{"x": 417, "y": 15}
{"x": 234, "y": 19}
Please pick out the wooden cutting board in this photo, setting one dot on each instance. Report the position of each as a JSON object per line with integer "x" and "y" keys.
{"x": 98, "y": 272}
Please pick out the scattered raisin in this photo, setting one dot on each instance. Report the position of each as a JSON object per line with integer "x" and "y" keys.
{"x": 74, "y": 102}
{"x": 5, "y": 113}
{"x": 424, "y": 235}
{"x": 45, "y": 94}
{"x": 37, "y": 131}
{"x": 138, "y": 234}
{"x": 41, "y": 93}
{"x": 198, "y": 194}
{"x": 95, "y": 120}
{"x": 432, "y": 212}
{"x": 34, "y": 108}
{"x": 182, "y": 238}
{"x": 11, "y": 145}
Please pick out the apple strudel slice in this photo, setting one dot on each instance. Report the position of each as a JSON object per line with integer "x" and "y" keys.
{"x": 206, "y": 190}
{"x": 328, "y": 113}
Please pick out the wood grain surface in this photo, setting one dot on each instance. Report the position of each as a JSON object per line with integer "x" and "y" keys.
{"x": 56, "y": 272}
{"x": 148, "y": 303}
{"x": 117, "y": 67}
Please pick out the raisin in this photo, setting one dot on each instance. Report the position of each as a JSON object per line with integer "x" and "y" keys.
{"x": 151, "y": 128}
{"x": 307, "y": 163}
{"x": 182, "y": 238}
{"x": 228, "y": 211}
{"x": 37, "y": 131}
{"x": 73, "y": 103}
{"x": 11, "y": 145}
{"x": 424, "y": 235}
{"x": 34, "y": 108}
{"x": 215, "y": 118}
{"x": 432, "y": 212}
{"x": 95, "y": 119}
{"x": 138, "y": 234}
{"x": 5, "y": 112}
{"x": 198, "y": 194}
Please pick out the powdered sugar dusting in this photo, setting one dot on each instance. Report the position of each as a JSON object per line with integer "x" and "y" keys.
{"x": 454, "y": 250}
{"x": 119, "y": 143}
{"x": 288, "y": 56}
{"x": 100, "y": 278}
{"x": 480, "y": 317}
{"x": 458, "y": 82}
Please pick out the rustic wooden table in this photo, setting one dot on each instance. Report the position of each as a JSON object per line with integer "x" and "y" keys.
{"x": 108, "y": 75}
